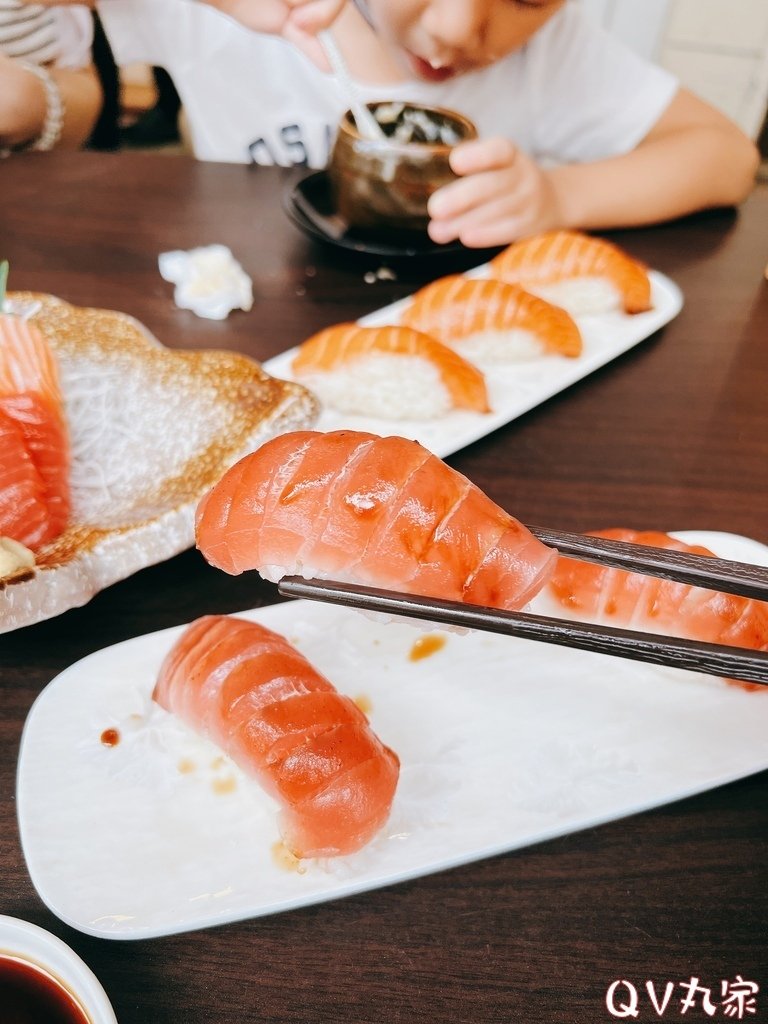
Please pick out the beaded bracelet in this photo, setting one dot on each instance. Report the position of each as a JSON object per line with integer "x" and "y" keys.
{"x": 54, "y": 109}
{"x": 54, "y": 112}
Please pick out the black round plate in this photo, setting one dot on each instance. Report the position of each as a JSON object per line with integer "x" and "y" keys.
{"x": 310, "y": 206}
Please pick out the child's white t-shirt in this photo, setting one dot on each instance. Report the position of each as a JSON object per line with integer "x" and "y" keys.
{"x": 572, "y": 94}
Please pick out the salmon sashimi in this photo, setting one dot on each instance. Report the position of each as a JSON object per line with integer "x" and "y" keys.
{"x": 23, "y": 511}
{"x": 573, "y": 270}
{"x": 392, "y": 372}
{"x": 311, "y": 748}
{"x": 491, "y": 320}
{"x": 615, "y": 597}
{"x": 30, "y": 397}
{"x": 380, "y": 511}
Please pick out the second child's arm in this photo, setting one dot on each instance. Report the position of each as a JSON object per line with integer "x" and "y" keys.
{"x": 298, "y": 21}
{"x": 693, "y": 158}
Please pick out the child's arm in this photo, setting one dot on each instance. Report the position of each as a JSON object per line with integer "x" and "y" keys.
{"x": 23, "y": 105}
{"x": 692, "y": 158}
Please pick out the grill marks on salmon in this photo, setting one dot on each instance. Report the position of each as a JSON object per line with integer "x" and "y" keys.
{"x": 554, "y": 262}
{"x": 380, "y": 511}
{"x": 253, "y": 694}
{"x": 457, "y": 309}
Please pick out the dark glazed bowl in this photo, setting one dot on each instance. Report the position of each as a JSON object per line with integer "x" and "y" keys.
{"x": 382, "y": 186}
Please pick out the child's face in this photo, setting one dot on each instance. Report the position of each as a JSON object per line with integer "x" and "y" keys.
{"x": 442, "y": 38}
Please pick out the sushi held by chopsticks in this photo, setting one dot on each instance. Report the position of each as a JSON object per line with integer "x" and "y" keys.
{"x": 374, "y": 510}
{"x": 384, "y": 513}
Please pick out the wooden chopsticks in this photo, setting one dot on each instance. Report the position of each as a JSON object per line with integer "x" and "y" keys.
{"x": 740, "y": 578}
{"x": 716, "y": 659}
{"x": 712, "y": 573}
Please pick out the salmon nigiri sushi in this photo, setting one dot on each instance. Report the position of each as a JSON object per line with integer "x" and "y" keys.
{"x": 311, "y": 748}
{"x": 34, "y": 445}
{"x": 380, "y": 511}
{"x": 580, "y": 273}
{"x": 619, "y": 598}
{"x": 390, "y": 372}
{"x": 487, "y": 320}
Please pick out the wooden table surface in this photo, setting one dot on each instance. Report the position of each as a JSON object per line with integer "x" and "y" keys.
{"x": 672, "y": 435}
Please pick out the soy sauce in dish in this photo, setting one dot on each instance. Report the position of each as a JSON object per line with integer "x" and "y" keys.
{"x": 29, "y": 995}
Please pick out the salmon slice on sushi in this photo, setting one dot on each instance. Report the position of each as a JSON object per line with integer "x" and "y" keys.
{"x": 257, "y": 697}
{"x": 491, "y": 321}
{"x": 379, "y": 511}
{"x": 576, "y": 271}
{"x": 608, "y": 596}
{"x": 388, "y": 372}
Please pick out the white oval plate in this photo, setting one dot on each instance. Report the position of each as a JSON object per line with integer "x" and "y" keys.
{"x": 502, "y": 743}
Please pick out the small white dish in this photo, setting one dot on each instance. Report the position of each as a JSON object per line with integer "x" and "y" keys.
{"x": 41, "y": 949}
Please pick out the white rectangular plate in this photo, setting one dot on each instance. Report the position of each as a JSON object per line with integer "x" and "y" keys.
{"x": 502, "y": 742}
{"x": 514, "y": 389}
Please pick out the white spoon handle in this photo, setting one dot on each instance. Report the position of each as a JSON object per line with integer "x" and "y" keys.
{"x": 367, "y": 124}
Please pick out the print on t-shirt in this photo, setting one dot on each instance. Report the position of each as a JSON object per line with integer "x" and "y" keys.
{"x": 292, "y": 147}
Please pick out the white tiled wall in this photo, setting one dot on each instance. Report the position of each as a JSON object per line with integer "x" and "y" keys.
{"x": 715, "y": 24}
{"x": 639, "y": 23}
{"x": 718, "y": 48}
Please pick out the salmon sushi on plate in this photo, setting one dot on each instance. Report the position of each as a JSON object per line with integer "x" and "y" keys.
{"x": 539, "y": 317}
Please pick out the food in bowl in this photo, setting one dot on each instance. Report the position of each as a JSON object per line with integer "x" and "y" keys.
{"x": 405, "y": 123}
{"x": 383, "y": 185}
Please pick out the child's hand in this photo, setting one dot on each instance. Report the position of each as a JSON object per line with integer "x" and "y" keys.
{"x": 298, "y": 21}
{"x": 501, "y": 195}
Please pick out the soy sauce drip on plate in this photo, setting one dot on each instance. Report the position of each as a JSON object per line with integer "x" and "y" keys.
{"x": 110, "y": 737}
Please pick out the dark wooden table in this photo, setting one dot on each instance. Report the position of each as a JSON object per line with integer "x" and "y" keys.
{"x": 673, "y": 435}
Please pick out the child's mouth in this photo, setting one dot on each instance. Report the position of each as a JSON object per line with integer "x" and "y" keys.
{"x": 428, "y": 71}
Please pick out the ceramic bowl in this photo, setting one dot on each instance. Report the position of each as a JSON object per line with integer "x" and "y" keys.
{"x": 383, "y": 186}
{"x": 24, "y": 941}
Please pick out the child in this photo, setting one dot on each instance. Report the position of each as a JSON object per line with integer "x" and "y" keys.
{"x": 575, "y": 130}
{"x": 49, "y": 92}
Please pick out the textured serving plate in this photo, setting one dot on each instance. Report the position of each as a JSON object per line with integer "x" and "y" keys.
{"x": 151, "y": 430}
{"x": 502, "y": 743}
{"x": 515, "y": 389}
